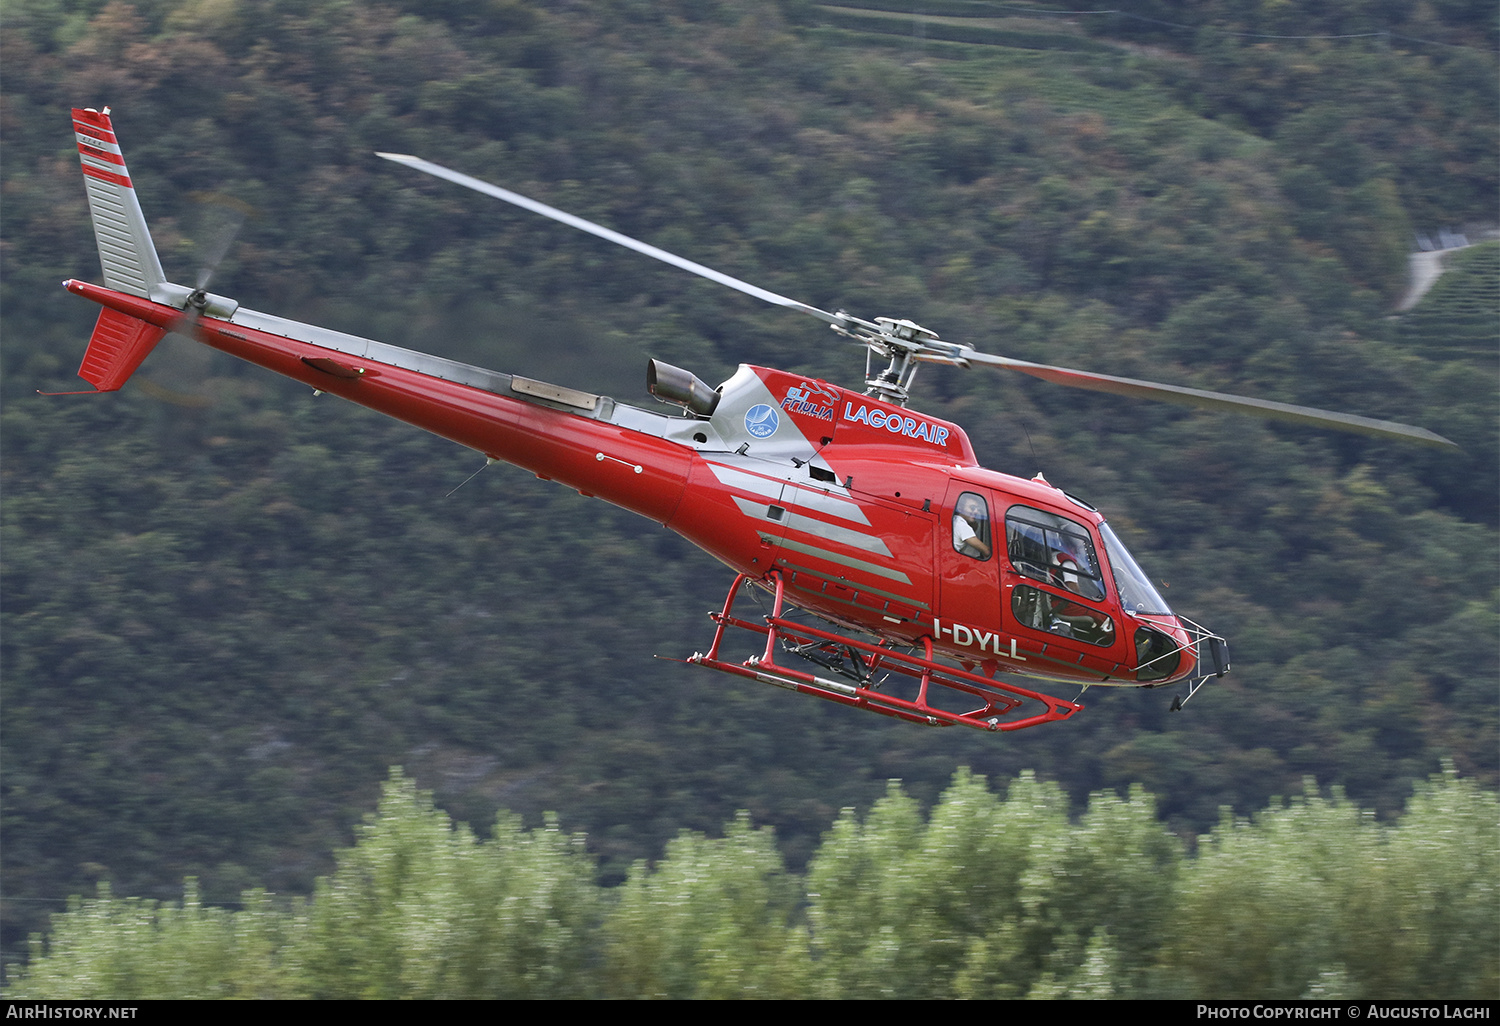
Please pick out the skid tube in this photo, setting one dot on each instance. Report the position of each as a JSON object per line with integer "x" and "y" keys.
{"x": 996, "y": 698}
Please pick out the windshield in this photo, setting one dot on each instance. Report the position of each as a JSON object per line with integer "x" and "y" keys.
{"x": 1137, "y": 595}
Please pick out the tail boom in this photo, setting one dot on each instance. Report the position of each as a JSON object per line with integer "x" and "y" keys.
{"x": 618, "y": 462}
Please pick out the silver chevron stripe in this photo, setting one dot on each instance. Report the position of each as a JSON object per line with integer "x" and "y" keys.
{"x": 821, "y": 576}
{"x": 834, "y": 557}
{"x": 788, "y": 494}
{"x": 807, "y": 525}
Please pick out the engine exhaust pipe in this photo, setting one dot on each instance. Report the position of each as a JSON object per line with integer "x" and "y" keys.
{"x": 681, "y": 388}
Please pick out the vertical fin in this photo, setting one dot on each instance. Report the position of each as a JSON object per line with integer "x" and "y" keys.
{"x": 125, "y": 247}
{"x": 119, "y": 344}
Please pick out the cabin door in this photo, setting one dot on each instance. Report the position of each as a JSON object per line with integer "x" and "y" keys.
{"x": 970, "y": 548}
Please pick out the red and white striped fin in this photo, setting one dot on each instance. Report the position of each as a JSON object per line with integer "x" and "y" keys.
{"x": 125, "y": 247}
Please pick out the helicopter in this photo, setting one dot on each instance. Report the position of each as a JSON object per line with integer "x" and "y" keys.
{"x": 903, "y": 578}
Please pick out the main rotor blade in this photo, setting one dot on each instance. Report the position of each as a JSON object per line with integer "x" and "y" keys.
{"x": 1213, "y": 400}
{"x": 843, "y": 320}
{"x": 1058, "y": 375}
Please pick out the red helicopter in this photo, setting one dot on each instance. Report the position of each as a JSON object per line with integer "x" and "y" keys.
{"x": 873, "y": 518}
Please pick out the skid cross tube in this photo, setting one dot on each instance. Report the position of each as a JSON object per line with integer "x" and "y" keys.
{"x": 997, "y": 699}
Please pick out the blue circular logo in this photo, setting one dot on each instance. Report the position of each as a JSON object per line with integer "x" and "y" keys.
{"x": 762, "y": 421}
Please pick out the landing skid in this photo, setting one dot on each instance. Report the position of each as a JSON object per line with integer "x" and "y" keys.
{"x": 874, "y": 672}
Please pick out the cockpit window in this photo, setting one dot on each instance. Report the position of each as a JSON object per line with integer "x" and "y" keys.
{"x": 1137, "y": 595}
{"x": 1047, "y": 547}
{"x": 971, "y": 526}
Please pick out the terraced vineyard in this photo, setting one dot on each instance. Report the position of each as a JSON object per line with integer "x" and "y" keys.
{"x": 966, "y": 24}
{"x": 1460, "y": 316}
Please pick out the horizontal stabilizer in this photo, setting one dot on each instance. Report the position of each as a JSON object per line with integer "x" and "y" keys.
{"x": 119, "y": 344}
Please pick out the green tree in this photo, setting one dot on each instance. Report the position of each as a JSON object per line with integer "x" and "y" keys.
{"x": 714, "y": 919}
{"x": 1315, "y": 898}
{"x": 857, "y": 898}
{"x": 131, "y": 948}
{"x": 1438, "y": 887}
{"x": 420, "y": 908}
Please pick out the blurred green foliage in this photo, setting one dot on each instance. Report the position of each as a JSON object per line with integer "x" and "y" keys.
{"x": 990, "y": 896}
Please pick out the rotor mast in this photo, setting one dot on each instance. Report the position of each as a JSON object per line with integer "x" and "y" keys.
{"x": 906, "y": 344}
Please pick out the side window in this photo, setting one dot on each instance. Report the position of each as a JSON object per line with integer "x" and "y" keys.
{"x": 1043, "y": 611}
{"x": 971, "y": 526}
{"x": 1051, "y": 548}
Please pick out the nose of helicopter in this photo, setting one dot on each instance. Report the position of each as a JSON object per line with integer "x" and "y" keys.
{"x": 1176, "y": 648}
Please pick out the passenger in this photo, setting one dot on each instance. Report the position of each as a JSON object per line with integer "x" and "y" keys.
{"x": 971, "y": 527}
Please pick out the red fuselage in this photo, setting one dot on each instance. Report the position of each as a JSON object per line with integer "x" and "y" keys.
{"x": 877, "y": 518}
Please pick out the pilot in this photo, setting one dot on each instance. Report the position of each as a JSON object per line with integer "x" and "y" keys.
{"x": 1065, "y": 572}
{"x": 971, "y": 527}
{"x": 1083, "y": 623}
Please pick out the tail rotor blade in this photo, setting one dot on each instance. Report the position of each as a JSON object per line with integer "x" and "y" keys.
{"x": 221, "y": 220}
